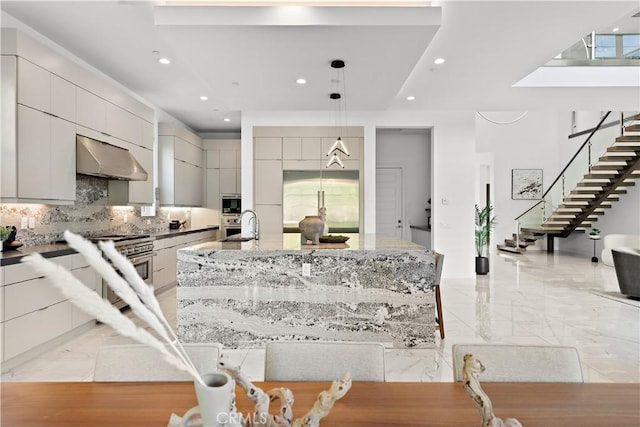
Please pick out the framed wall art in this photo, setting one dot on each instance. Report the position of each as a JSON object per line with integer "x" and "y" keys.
{"x": 526, "y": 184}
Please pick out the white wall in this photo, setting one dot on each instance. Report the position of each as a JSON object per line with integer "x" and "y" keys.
{"x": 412, "y": 152}
{"x": 530, "y": 143}
{"x": 453, "y": 148}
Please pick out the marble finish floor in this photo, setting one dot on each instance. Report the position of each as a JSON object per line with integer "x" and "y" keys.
{"x": 536, "y": 298}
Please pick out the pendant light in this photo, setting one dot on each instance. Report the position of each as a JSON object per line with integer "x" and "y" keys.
{"x": 339, "y": 110}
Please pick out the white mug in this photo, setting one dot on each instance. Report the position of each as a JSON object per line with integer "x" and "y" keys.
{"x": 216, "y": 400}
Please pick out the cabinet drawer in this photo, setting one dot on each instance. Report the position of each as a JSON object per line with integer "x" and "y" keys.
{"x": 25, "y": 332}
{"x": 21, "y": 272}
{"x": 26, "y": 297}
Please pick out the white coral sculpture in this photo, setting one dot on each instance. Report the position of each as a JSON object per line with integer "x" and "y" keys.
{"x": 470, "y": 371}
{"x": 261, "y": 416}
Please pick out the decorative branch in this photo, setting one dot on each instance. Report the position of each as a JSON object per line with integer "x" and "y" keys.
{"x": 470, "y": 371}
{"x": 261, "y": 416}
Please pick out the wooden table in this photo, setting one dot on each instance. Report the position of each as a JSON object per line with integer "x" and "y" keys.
{"x": 366, "y": 404}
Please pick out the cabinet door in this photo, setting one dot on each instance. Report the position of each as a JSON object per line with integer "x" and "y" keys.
{"x": 267, "y": 148}
{"x": 213, "y": 189}
{"x": 268, "y": 182}
{"x": 141, "y": 192}
{"x": 122, "y": 124}
{"x": 63, "y": 160}
{"x": 34, "y": 86}
{"x": 90, "y": 278}
{"x": 28, "y": 331}
{"x": 147, "y": 134}
{"x": 188, "y": 152}
{"x": 91, "y": 110}
{"x": 228, "y": 181}
{"x": 188, "y": 183}
{"x": 228, "y": 159}
{"x": 63, "y": 98}
{"x": 292, "y": 148}
{"x": 213, "y": 159}
{"x": 34, "y": 154}
{"x": 311, "y": 149}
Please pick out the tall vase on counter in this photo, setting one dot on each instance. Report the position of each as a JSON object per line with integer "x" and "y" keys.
{"x": 322, "y": 212}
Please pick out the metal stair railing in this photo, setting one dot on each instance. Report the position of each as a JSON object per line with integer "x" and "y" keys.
{"x": 598, "y": 140}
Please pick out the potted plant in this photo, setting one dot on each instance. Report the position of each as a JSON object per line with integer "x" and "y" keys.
{"x": 5, "y": 232}
{"x": 485, "y": 221}
{"x": 594, "y": 233}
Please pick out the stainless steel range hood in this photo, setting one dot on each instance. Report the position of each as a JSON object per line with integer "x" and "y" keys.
{"x": 97, "y": 158}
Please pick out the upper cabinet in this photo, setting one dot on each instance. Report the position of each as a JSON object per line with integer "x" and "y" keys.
{"x": 223, "y": 172}
{"x": 180, "y": 166}
{"x": 46, "y": 100}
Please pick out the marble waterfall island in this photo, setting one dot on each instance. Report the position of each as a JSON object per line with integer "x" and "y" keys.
{"x": 245, "y": 294}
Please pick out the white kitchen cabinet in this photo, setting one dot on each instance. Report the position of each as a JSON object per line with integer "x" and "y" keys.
{"x": 141, "y": 192}
{"x": 28, "y": 331}
{"x": 122, "y": 124}
{"x": 34, "y": 311}
{"x": 46, "y": 159}
{"x": 213, "y": 159}
{"x": 34, "y": 86}
{"x": 180, "y": 162}
{"x": 268, "y": 182}
{"x": 312, "y": 148}
{"x": 292, "y": 148}
{"x": 228, "y": 159}
{"x": 91, "y": 110}
{"x": 213, "y": 189}
{"x": 63, "y": 98}
{"x": 147, "y": 134}
{"x": 228, "y": 181}
{"x": 93, "y": 281}
{"x": 165, "y": 261}
{"x": 267, "y": 148}
{"x": 189, "y": 188}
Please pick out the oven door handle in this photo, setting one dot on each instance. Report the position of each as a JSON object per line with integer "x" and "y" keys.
{"x": 143, "y": 258}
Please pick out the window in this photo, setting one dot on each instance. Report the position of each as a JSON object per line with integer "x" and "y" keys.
{"x": 341, "y": 198}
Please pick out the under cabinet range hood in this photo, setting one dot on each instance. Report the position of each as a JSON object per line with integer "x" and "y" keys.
{"x": 97, "y": 158}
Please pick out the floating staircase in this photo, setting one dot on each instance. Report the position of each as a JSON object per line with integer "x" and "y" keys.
{"x": 597, "y": 191}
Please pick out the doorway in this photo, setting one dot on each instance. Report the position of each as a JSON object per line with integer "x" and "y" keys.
{"x": 389, "y": 206}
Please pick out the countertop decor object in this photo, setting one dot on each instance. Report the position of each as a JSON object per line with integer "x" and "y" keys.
{"x": 333, "y": 238}
{"x": 471, "y": 369}
{"x": 311, "y": 227}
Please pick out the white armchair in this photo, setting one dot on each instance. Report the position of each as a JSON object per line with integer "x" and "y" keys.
{"x": 616, "y": 241}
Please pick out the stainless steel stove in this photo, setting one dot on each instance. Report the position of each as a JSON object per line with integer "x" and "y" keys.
{"x": 138, "y": 248}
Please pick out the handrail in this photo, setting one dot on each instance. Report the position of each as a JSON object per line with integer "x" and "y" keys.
{"x": 604, "y": 126}
{"x": 595, "y": 129}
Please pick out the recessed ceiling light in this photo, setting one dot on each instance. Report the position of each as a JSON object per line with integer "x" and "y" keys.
{"x": 164, "y": 61}
{"x": 616, "y": 29}
{"x": 411, "y": 98}
{"x": 204, "y": 98}
{"x": 227, "y": 119}
{"x": 301, "y": 81}
{"x": 439, "y": 61}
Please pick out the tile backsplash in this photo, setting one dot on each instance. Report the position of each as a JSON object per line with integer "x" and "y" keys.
{"x": 90, "y": 215}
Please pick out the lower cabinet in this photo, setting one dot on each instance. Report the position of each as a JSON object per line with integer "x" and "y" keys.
{"x": 165, "y": 262}
{"x": 34, "y": 312}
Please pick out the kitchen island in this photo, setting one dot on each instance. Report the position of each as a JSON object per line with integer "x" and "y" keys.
{"x": 243, "y": 294}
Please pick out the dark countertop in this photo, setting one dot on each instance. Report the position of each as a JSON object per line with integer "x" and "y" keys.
{"x": 52, "y": 250}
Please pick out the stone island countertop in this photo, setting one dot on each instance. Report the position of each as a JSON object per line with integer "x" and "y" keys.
{"x": 243, "y": 294}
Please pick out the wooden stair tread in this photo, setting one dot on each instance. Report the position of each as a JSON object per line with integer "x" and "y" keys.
{"x": 628, "y": 138}
{"x": 632, "y": 128}
{"x": 510, "y": 249}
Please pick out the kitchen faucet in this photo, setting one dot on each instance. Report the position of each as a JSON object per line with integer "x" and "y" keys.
{"x": 256, "y": 227}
